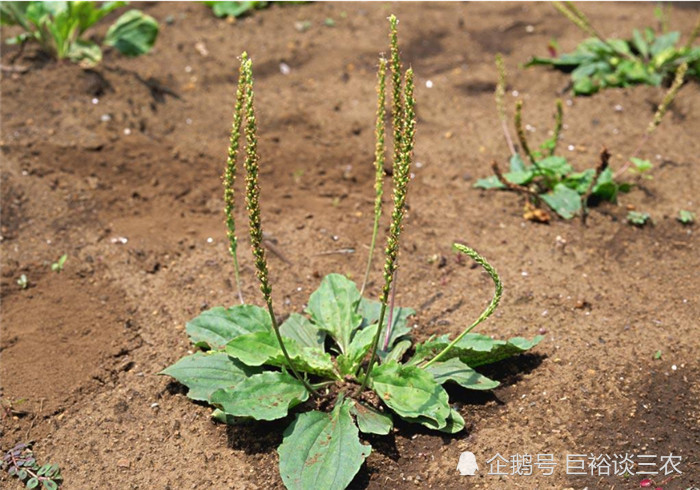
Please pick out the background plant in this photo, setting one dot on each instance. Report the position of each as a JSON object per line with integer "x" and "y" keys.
{"x": 649, "y": 57}
{"x": 550, "y": 179}
{"x": 20, "y": 462}
{"x": 320, "y": 362}
{"x": 59, "y": 28}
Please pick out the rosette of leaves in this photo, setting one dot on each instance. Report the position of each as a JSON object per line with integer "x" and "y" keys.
{"x": 20, "y": 463}
{"x": 59, "y": 27}
{"x": 249, "y": 367}
{"x": 242, "y": 371}
{"x": 648, "y": 57}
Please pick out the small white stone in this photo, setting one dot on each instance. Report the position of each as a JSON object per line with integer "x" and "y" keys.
{"x": 95, "y": 100}
{"x": 210, "y": 240}
{"x": 674, "y": 367}
{"x": 571, "y": 147}
{"x": 467, "y": 464}
{"x": 618, "y": 108}
{"x": 515, "y": 93}
{"x": 127, "y": 131}
{"x": 429, "y": 84}
{"x": 284, "y": 69}
{"x": 529, "y": 28}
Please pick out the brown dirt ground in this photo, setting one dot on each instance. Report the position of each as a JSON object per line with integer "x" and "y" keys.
{"x": 83, "y": 347}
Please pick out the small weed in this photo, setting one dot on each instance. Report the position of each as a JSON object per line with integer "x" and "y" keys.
{"x": 550, "y": 179}
{"x": 21, "y": 463}
{"x": 637, "y": 218}
{"x": 234, "y": 9}
{"x": 647, "y": 58}
{"x": 59, "y": 28}
{"x": 686, "y": 217}
{"x": 58, "y": 265}
{"x": 657, "y": 355}
{"x": 330, "y": 362}
{"x": 23, "y": 282}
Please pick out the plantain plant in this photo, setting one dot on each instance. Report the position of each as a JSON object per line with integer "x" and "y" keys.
{"x": 252, "y": 368}
{"x": 549, "y": 179}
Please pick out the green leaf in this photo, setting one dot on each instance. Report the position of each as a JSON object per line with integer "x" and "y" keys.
{"x": 49, "y": 484}
{"x": 300, "y": 328}
{"x": 640, "y": 44}
{"x": 333, "y": 308}
{"x": 641, "y": 165}
{"x": 605, "y": 187}
{"x": 370, "y": 310}
{"x": 517, "y": 164}
{"x": 554, "y": 166}
{"x": 475, "y": 349}
{"x": 638, "y": 218}
{"x": 580, "y": 181}
{"x": 370, "y": 420}
{"x": 204, "y": 373}
{"x": 566, "y": 202}
{"x": 133, "y": 34}
{"x": 258, "y": 348}
{"x": 455, "y": 423}
{"x": 664, "y": 42}
{"x": 686, "y": 217}
{"x": 322, "y": 450}
{"x": 33, "y": 482}
{"x": 411, "y": 392}
{"x": 397, "y": 352}
{"x": 359, "y": 347}
{"x": 86, "y": 53}
{"x": 233, "y": 9}
{"x": 88, "y": 14}
{"x": 216, "y": 327}
{"x": 517, "y": 177}
{"x": 458, "y": 372}
{"x": 22, "y": 474}
{"x": 265, "y": 396}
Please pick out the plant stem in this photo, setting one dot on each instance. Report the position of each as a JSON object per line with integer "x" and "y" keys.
{"x": 518, "y": 120}
{"x": 558, "y": 123}
{"x": 390, "y": 318}
{"x": 402, "y": 168}
{"x": 659, "y": 115}
{"x": 489, "y": 309}
{"x": 500, "y": 103}
{"x": 230, "y": 173}
{"x": 378, "y": 164}
{"x": 253, "y": 205}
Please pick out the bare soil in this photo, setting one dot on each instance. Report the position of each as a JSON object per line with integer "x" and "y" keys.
{"x": 119, "y": 167}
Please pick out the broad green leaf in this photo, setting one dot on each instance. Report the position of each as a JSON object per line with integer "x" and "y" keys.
{"x": 133, "y": 34}
{"x": 32, "y": 482}
{"x": 333, "y": 308}
{"x": 555, "y": 166}
{"x": 216, "y": 327}
{"x": 458, "y": 372}
{"x": 370, "y": 420}
{"x": 474, "y": 349}
{"x": 359, "y": 347}
{"x": 322, "y": 450}
{"x": 605, "y": 187}
{"x": 204, "y": 373}
{"x": 85, "y": 52}
{"x": 411, "y": 392}
{"x": 258, "y": 348}
{"x": 566, "y": 202}
{"x": 265, "y": 396}
{"x": 455, "y": 423}
{"x": 300, "y": 328}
